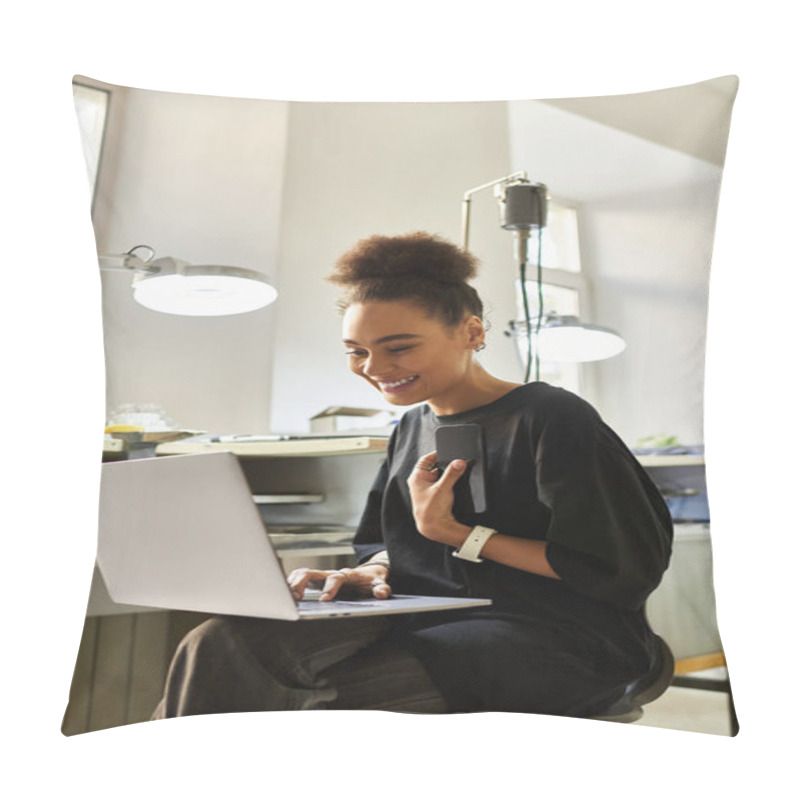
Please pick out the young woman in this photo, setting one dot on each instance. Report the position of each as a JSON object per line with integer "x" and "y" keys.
{"x": 573, "y": 539}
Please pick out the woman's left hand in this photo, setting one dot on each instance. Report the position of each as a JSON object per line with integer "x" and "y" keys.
{"x": 432, "y": 500}
{"x": 432, "y": 503}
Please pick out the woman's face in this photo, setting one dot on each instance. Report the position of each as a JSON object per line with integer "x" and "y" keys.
{"x": 408, "y": 355}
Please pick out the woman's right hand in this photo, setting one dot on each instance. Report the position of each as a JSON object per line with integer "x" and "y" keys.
{"x": 366, "y": 580}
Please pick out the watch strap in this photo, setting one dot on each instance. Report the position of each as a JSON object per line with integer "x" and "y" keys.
{"x": 473, "y": 544}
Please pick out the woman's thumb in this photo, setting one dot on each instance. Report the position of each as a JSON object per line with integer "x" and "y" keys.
{"x": 455, "y": 469}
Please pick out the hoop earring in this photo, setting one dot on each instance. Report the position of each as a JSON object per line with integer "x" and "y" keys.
{"x": 481, "y": 346}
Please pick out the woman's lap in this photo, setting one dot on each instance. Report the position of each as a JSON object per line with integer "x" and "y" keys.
{"x": 245, "y": 664}
{"x": 506, "y": 662}
{"x": 231, "y": 664}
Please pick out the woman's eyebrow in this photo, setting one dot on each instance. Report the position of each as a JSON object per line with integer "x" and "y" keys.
{"x": 394, "y": 337}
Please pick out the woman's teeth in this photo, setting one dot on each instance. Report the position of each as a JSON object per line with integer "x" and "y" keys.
{"x": 395, "y": 384}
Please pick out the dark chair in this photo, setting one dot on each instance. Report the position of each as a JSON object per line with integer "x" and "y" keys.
{"x": 643, "y": 690}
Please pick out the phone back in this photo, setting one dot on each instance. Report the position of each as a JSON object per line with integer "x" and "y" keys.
{"x": 465, "y": 442}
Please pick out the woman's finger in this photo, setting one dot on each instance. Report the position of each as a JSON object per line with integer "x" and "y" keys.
{"x": 381, "y": 589}
{"x": 363, "y": 583}
{"x": 427, "y": 463}
{"x": 299, "y": 579}
{"x": 333, "y": 583}
{"x": 453, "y": 471}
{"x": 425, "y": 471}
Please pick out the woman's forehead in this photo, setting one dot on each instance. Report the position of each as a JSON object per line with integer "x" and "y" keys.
{"x": 377, "y": 319}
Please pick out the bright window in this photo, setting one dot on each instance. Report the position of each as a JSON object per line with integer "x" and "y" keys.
{"x": 91, "y": 107}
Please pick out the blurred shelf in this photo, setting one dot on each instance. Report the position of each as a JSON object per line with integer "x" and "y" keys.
{"x": 285, "y": 498}
{"x": 282, "y": 449}
{"x": 331, "y": 542}
{"x": 113, "y": 445}
{"x": 672, "y": 461}
{"x": 315, "y": 550}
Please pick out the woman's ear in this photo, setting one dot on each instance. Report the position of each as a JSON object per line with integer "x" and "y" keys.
{"x": 476, "y": 332}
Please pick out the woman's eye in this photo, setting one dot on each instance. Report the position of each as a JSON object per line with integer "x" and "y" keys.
{"x": 391, "y": 350}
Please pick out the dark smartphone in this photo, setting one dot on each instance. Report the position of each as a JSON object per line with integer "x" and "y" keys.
{"x": 465, "y": 442}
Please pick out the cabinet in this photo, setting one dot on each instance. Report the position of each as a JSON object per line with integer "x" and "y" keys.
{"x": 683, "y": 609}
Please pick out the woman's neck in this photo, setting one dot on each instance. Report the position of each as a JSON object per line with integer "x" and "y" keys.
{"x": 479, "y": 388}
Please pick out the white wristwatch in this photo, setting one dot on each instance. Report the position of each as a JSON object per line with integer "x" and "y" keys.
{"x": 474, "y": 543}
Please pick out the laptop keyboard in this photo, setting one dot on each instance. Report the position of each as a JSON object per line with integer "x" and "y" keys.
{"x": 314, "y": 605}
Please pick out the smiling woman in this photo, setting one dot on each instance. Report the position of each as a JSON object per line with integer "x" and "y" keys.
{"x": 572, "y": 539}
{"x": 412, "y": 323}
{"x": 410, "y": 356}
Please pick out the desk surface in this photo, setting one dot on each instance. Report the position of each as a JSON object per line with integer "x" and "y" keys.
{"x": 290, "y": 448}
{"x": 672, "y": 461}
{"x": 347, "y": 445}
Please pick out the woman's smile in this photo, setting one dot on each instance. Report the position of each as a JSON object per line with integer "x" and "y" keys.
{"x": 398, "y": 385}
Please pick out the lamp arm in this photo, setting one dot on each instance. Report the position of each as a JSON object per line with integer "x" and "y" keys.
{"x": 149, "y": 258}
{"x": 465, "y": 205}
{"x": 129, "y": 261}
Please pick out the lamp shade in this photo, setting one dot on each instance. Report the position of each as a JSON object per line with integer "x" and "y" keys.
{"x": 566, "y": 338}
{"x": 174, "y": 287}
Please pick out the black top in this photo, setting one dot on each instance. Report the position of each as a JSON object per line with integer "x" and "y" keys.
{"x": 555, "y": 472}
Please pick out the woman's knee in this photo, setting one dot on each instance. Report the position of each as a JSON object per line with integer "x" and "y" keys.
{"x": 215, "y": 636}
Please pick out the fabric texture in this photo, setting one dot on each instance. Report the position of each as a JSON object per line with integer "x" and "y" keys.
{"x": 239, "y": 664}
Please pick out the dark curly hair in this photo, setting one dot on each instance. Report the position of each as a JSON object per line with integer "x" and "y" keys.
{"x": 419, "y": 267}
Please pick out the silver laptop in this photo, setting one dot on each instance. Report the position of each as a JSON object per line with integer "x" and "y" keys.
{"x": 183, "y": 532}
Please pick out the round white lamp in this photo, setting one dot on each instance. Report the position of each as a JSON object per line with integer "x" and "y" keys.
{"x": 172, "y": 286}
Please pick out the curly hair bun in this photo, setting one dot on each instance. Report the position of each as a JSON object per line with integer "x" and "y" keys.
{"x": 419, "y": 256}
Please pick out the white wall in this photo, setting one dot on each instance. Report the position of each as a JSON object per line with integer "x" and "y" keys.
{"x": 647, "y": 219}
{"x": 651, "y": 256}
{"x": 198, "y": 178}
{"x": 358, "y": 169}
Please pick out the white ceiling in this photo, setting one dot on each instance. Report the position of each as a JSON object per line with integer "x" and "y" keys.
{"x": 692, "y": 119}
{"x": 590, "y": 149}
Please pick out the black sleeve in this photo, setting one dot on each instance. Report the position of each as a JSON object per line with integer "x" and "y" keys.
{"x": 369, "y": 535}
{"x": 610, "y": 532}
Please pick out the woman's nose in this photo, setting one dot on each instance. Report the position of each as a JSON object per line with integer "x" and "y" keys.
{"x": 375, "y": 365}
